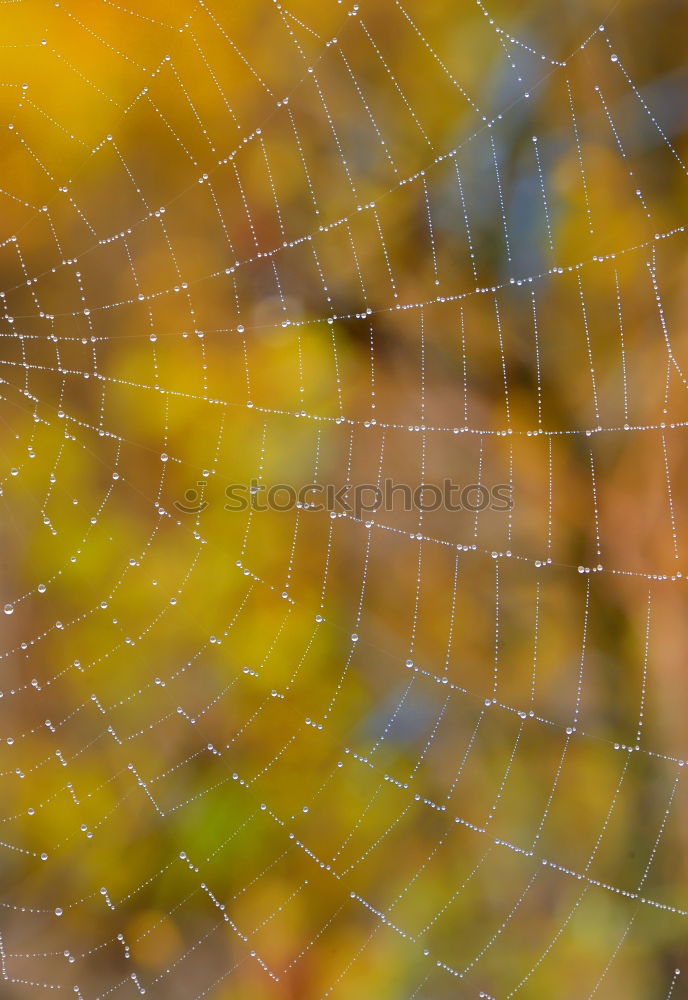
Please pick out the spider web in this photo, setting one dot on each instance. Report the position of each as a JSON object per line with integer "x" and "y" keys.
{"x": 310, "y": 753}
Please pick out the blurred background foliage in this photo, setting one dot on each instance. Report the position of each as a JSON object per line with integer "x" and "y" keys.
{"x": 207, "y": 251}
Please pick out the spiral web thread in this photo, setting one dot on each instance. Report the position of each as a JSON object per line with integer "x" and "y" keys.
{"x": 311, "y": 753}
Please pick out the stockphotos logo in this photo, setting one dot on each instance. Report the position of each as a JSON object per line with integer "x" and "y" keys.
{"x": 358, "y": 499}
